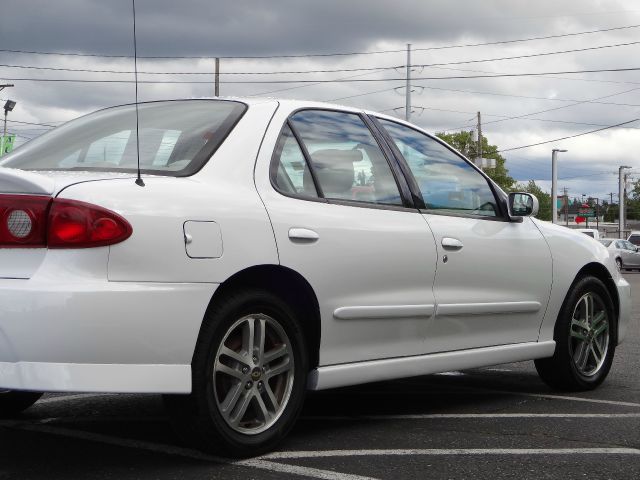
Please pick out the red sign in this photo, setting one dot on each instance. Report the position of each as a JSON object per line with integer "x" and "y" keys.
{"x": 580, "y": 219}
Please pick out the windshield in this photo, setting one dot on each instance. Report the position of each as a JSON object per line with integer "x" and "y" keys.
{"x": 176, "y": 138}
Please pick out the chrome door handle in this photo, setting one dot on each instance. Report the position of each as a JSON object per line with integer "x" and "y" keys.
{"x": 303, "y": 234}
{"x": 452, "y": 243}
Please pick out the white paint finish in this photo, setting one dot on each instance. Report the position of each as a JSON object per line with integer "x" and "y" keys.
{"x": 68, "y": 318}
{"x": 364, "y": 256}
{"x": 378, "y": 370}
{"x": 76, "y": 377}
{"x": 20, "y": 262}
{"x": 571, "y": 251}
{"x": 203, "y": 239}
{"x": 384, "y": 312}
{"x": 449, "y": 451}
{"x": 19, "y": 181}
{"x": 487, "y": 308}
{"x": 483, "y": 273}
{"x": 303, "y": 234}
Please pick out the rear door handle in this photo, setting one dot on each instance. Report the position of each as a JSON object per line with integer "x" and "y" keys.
{"x": 303, "y": 234}
{"x": 452, "y": 243}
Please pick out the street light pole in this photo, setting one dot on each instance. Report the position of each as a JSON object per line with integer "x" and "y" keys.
{"x": 554, "y": 184}
{"x": 621, "y": 188}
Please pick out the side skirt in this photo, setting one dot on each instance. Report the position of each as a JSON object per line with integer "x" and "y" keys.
{"x": 334, "y": 376}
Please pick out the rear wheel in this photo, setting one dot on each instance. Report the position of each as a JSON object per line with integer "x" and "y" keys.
{"x": 585, "y": 336}
{"x": 249, "y": 377}
{"x": 13, "y": 402}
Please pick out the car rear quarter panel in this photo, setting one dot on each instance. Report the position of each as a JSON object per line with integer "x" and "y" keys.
{"x": 222, "y": 192}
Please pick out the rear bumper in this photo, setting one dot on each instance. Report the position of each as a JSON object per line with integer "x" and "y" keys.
{"x": 99, "y": 335}
{"x": 624, "y": 316}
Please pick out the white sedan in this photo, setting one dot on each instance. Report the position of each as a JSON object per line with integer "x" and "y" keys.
{"x": 274, "y": 247}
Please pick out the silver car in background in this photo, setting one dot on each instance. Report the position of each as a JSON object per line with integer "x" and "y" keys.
{"x": 627, "y": 254}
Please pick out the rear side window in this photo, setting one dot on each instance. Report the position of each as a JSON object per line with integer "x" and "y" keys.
{"x": 448, "y": 184}
{"x": 635, "y": 239}
{"x": 176, "y": 139}
{"x": 343, "y": 158}
{"x": 292, "y": 175}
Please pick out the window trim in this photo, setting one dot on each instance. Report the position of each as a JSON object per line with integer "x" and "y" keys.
{"x": 273, "y": 167}
{"x": 500, "y": 199}
{"x": 382, "y": 145}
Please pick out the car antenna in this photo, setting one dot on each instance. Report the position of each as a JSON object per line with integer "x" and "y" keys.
{"x": 139, "y": 180}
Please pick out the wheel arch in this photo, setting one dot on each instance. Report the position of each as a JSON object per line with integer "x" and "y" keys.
{"x": 599, "y": 271}
{"x": 291, "y": 287}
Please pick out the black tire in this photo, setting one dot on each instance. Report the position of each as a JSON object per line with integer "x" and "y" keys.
{"x": 560, "y": 371}
{"x": 197, "y": 417}
{"x": 619, "y": 264}
{"x": 13, "y": 402}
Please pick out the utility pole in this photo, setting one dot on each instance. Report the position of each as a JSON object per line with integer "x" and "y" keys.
{"x": 217, "y": 78}
{"x": 621, "y": 198}
{"x": 554, "y": 184}
{"x": 566, "y": 207}
{"x": 479, "y": 146}
{"x": 407, "y": 107}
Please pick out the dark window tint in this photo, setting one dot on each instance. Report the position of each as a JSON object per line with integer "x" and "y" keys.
{"x": 447, "y": 182}
{"x": 292, "y": 174}
{"x": 635, "y": 239}
{"x": 346, "y": 159}
{"x": 176, "y": 138}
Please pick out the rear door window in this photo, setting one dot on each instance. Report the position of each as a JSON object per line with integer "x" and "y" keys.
{"x": 347, "y": 162}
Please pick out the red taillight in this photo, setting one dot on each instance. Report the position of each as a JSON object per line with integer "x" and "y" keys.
{"x": 31, "y": 221}
{"x": 74, "y": 224}
{"x": 23, "y": 220}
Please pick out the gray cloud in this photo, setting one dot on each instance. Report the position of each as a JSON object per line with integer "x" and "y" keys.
{"x": 253, "y": 27}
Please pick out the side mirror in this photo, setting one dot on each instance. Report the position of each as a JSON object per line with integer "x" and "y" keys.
{"x": 523, "y": 204}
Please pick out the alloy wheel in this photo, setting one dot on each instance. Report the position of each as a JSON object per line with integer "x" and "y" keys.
{"x": 589, "y": 334}
{"x": 253, "y": 374}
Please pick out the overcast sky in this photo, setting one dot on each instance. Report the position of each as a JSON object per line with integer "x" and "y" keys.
{"x": 298, "y": 27}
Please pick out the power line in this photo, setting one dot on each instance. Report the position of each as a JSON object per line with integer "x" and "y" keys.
{"x": 551, "y": 78}
{"x": 474, "y": 92}
{"x": 31, "y": 123}
{"x": 506, "y": 117}
{"x": 291, "y": 72}
{"x": 600, "y": 47}
{"x": 464, "y": 45}
{"x": 311, "y": 55}
{"x": 593, "y": 100}
{"x": 503, "y": 75}
{"x": 570, "y": 136}
{"x": 89, "y": 70}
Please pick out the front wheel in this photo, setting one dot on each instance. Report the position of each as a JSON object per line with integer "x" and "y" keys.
{"x": 619, "y": 264}
{"x": 249, "y": 377}
{"x": 586, "y": 338}
{"x": 13, "y": 402}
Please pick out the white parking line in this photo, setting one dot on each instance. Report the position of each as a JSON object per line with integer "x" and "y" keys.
{"x": 451, "y": 451}
{"x": 465, "y": 416}
{"x": 571, "y": 398}
{"x": 66, "y": 398}
{"x": 259, "y": 463}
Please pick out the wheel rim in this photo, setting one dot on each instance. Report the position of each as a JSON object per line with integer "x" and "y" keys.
{"x": 619, "y": 263}
{"x": 253, "y": 374}
{"x": 589, "y": 334}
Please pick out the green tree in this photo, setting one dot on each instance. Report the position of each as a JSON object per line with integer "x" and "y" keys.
{"x": 464, "y": 143}
{"x": 543, "y": 197}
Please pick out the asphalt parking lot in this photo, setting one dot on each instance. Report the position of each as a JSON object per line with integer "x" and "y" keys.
{"x": 498, "y": 422}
